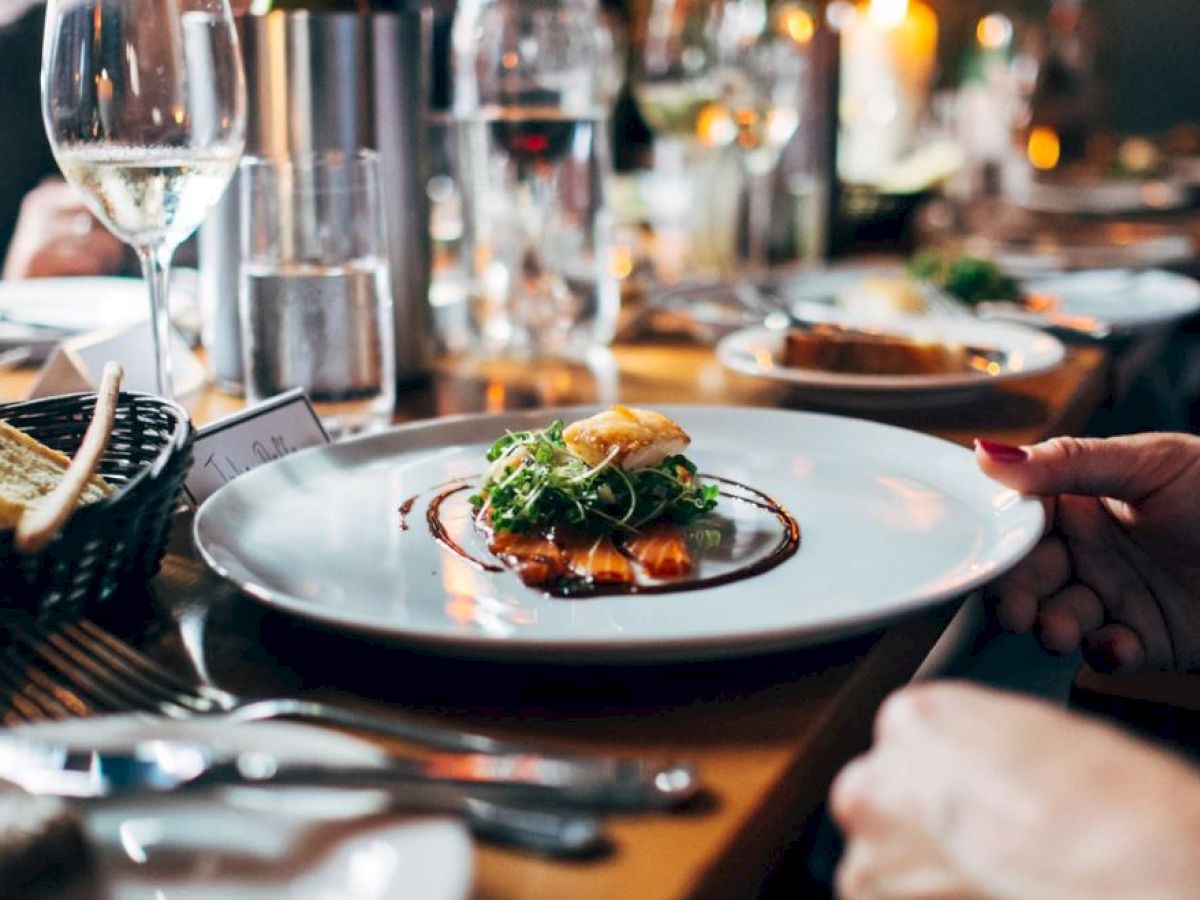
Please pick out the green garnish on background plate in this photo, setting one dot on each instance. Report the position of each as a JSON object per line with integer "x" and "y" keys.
{"x": 967, "y": 278}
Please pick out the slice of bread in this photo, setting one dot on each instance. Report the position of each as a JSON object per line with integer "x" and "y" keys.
{"x": 29, "y": 470}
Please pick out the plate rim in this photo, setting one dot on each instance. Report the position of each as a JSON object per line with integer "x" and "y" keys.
{"x": 607, "y": 650}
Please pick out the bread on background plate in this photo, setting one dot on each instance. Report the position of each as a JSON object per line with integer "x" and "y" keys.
{"x": 29, "y": 470}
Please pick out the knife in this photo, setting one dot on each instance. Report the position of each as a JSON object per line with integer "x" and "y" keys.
{"x": 165, "y": 766}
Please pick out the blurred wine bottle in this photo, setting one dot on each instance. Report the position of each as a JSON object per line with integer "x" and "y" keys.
{"x": 1064, "y": 107}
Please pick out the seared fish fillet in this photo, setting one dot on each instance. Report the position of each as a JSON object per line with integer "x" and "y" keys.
{"x": 635, "y": 438}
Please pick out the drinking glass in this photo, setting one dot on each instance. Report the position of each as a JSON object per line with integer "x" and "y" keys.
{"x": 764, "y": 57}
{"x": 532, "y": 90}
{"x": 676, "y": 78}
{"x": 315, "y": 290}
{"x": 676, "y": 84}
{"x": 144, "y": 102}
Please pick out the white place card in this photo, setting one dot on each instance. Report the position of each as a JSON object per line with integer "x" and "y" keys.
{"x": 259, "y": 434}
{"x": 76, "y": 364}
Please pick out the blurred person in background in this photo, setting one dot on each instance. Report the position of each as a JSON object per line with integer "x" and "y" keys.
{"x": 969, "y": 792}
{"x": 45, "y": 230}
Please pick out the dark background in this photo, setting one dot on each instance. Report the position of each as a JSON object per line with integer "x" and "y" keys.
{"x": 1150, "y": 54}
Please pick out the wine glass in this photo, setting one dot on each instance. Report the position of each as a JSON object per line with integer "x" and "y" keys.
{"x": 675, "y": 79}
{"x": 144, "y": 102}
{"x": 675, "y": 86}
{"x": 532, "y": 95}
{"x": 764, "y": 56}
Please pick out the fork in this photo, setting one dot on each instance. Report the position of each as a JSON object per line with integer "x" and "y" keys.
{"x": 79, "y": 657}
{"x": 96, "y": 672}
{"x": 942, "y": 304}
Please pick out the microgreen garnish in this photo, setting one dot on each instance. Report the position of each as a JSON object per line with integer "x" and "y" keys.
{"x": 536, "y": 482}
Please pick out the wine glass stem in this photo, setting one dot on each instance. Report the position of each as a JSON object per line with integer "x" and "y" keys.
{"x": 156, "y": 266}
{"x": 758, "y": 222}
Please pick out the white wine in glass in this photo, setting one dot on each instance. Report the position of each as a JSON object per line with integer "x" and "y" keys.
{"x": 144, "y": 103}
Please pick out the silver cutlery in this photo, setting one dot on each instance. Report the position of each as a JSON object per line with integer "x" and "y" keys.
{"x": 80, "y": 669}
{"x": 43, "y": 766}
{"x": 166, "y": 766}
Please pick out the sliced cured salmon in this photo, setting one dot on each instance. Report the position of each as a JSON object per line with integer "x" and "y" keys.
{"x": 661, "y": 550}
{"x": 534, "y": 557}
{"x": 595, "y": 559}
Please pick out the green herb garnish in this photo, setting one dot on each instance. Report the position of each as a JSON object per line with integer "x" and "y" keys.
{"x": 969, "y": 279}
{"x": 536, "y": 482}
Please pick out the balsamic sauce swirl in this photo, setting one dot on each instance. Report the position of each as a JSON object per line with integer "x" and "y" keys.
{"x": 785, "y": 547}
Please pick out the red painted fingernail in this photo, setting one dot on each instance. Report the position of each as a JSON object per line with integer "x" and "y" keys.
{"x": 1004, "y": 453}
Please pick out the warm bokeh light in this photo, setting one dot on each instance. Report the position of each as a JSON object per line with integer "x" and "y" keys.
{"x": 714, "y": 126}
{"x": 494, "y": 397}
{"x": 888, "y": 13}
{"x": 620, "y": 262}
{"x": 994, "y": 32}
{"x": 1044, "y": 148}
{"x": 839, "y": 14}
{"x": 798, "y": 24}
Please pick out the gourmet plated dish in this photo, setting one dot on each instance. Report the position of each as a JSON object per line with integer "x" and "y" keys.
{"x": 830, "y": 348}
{"x": 610, "y": 504}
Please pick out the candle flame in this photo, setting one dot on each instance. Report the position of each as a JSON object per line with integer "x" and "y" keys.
{"x": 1044, "y": 148}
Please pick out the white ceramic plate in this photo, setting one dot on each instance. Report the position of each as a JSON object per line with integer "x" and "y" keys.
{"x": 1127, "y": 301}
{"x": 263, "y": 844}
{"x": 758, "y": 352}
{"x": 891, "y": 521}
{"x": 90, "y": 304}
{"x": 1100, "y": 198}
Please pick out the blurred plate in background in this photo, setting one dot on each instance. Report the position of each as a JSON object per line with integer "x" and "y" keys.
{"x": 1127, "y": 302}
{"x": 758, "y": 353}
{"x": 1112, "y": 196}
{"x": 77, "y": 305}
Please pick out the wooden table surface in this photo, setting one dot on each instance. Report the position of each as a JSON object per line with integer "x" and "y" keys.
{"x": 767, "y": 733}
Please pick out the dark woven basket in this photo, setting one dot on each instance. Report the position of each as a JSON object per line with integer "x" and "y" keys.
{"x": 116, "y": 541}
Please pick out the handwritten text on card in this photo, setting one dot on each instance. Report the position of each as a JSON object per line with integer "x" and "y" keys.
{"x": 258, "y": 435}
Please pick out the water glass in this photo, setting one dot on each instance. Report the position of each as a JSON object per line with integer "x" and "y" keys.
{"x": 315, "y": 291}
{"x": 532, "y": 91}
